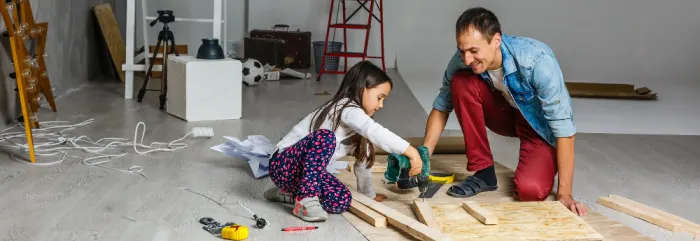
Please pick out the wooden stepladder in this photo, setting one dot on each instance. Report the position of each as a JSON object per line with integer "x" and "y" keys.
{"x": 30, "y": 69}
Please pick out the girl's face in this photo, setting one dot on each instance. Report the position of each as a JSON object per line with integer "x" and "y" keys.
{"x": 373, "y": 98}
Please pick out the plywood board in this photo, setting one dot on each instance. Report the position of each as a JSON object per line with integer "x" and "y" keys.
{"x": 548, "y": 220}
{"x": 112, "y": 36}
{"x": 402, "y": 200}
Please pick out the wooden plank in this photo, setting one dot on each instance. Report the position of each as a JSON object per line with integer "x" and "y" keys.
{"x": 425, "y": 214}
{"x": 652, "y": 215}
{"x": 483, "y": 215}
{"x": 545, "y": 220}
{"x": 367, "y": 214}
{"x": 112, "y": 36}
{"x": 400, "y": 220}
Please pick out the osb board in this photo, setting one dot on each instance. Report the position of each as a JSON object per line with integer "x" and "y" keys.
{"x": 401, "y": 200}
{"x": 548, "y": 220}
{"x": 112, "y": 36}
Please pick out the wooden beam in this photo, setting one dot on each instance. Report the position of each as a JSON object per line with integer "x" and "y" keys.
{"x": 651, "y": 215}
{"x": 425, "y": 214}
{"x": 367, "y": 214}
{"x": 400, "y": 220}
{"x": 480, "y": 213}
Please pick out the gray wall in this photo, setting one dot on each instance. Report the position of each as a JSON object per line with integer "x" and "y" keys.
{"x": 73, "y": 53}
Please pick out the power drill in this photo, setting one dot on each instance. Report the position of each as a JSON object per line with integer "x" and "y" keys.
{"x": 398, "y": 167}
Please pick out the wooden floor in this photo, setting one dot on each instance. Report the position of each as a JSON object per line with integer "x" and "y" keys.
{"x": 401, "y": 200}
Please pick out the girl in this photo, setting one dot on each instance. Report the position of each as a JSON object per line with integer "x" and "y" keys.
{"x": 341, "y": 126}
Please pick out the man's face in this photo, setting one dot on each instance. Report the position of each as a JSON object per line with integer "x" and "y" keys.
{"x": 477, "y": 52}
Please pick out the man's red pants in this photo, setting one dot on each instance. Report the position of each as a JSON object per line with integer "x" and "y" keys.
{"x": 478, "y": 107}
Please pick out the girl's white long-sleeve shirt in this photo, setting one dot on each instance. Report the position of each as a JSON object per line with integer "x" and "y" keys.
{"x": 353, "y": 120}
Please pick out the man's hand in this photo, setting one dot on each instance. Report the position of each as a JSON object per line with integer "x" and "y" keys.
{"x": 574, "y": 206}
{"x": 379, "y": 197}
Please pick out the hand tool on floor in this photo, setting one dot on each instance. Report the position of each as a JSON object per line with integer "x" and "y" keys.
{"x": 259, "y": 222}
{"x": 398, "y": 167}
{"x": 230, "y": 230}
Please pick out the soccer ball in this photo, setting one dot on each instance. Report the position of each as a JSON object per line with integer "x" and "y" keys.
{"x": 252, "y": 72}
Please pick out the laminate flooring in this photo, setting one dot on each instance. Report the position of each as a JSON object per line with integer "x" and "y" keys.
{"x": 73, "y": 201}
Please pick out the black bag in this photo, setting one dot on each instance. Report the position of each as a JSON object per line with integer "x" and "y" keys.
{"x": 266, "y": 50}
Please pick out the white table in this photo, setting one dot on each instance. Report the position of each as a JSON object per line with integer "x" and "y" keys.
{"x": 201, "y": 89}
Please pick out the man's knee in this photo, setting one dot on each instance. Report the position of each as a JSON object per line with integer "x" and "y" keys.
{"x": 532, "y": 190}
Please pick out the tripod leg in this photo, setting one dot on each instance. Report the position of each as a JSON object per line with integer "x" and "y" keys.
{"x": 149, "y": 73}
{"x": 164, "y": 72}
{"x": 172, "y": 43}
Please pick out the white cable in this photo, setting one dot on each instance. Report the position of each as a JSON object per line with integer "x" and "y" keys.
{"x": 59, "y": 143}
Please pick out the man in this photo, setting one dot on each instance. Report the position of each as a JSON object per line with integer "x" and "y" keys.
{"x": 514, "y": 86}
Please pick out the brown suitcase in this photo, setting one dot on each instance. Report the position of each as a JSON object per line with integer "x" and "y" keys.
{"x": 265, "y": 50}
{"x": 297, "y": 47}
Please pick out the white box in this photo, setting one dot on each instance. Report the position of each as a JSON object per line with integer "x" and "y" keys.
{"x": 202, "y": 89}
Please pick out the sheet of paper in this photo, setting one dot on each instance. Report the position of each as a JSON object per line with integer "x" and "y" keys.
{"x": 256, "y": 150}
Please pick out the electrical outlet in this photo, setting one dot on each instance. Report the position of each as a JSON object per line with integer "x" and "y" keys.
{"x": 203, "y": 132}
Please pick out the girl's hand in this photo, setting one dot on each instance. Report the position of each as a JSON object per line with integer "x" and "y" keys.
{"x": 414, "y": 158}
{"x": 416, "y": 166}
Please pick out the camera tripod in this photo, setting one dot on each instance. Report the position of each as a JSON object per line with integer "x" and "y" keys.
{"x": 164, "y": 36}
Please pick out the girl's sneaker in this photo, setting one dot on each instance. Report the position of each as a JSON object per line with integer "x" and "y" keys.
{"x": 276, "y": 194}
{"x": 309, "y": 209}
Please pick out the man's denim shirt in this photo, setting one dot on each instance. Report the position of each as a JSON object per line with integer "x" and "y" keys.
{"x": 534, "y": 79}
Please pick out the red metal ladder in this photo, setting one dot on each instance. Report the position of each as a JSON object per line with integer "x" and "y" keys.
{"x": 345, "y": 25}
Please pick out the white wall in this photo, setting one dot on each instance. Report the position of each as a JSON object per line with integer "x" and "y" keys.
{"x": 191, "y": 33}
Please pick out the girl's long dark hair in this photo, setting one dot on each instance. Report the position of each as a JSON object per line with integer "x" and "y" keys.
{"x": 362, "y": 75}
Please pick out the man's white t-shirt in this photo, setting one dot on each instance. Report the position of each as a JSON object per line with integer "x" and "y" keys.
{"x": 497, "y": 78}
